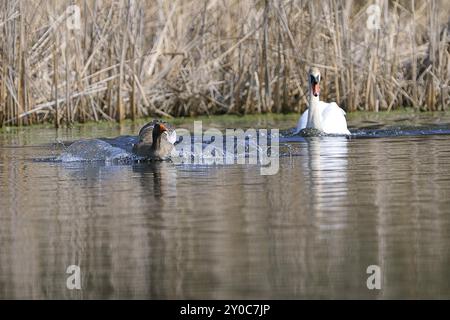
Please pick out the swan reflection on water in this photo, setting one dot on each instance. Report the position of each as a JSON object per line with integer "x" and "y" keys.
{"x": 325, "y": 169}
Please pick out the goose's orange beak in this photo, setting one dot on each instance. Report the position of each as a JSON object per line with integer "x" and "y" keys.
{"x": 162, "y": 128}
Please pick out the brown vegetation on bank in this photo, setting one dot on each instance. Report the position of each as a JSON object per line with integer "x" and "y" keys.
{"x": 131, "y": 58}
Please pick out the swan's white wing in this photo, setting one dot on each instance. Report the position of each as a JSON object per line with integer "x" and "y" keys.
{"x": 302, "y": 122}
{"x": 333, "y": 118}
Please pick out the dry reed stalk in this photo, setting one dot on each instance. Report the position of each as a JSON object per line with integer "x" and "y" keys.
{"x": 55, "y": 83}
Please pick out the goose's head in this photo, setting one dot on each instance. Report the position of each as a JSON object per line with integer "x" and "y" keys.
{"x": 162, "y": 142}
{"x": 314, "y": 80}
{"x": 156, "y": 141}
{"x": 159, "y": 133}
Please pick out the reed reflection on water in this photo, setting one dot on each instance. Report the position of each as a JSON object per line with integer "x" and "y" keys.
{"x": 181, "y": 231}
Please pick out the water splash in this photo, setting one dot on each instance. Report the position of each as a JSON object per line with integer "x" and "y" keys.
{"x": 93, "y": 150}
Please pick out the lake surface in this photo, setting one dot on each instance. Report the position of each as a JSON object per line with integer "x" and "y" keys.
{"x": 161, "y": 230}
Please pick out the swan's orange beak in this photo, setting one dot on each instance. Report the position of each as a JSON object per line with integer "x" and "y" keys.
{"x": 315, "y": 89}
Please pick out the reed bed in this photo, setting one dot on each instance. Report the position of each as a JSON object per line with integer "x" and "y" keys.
{"x": 65, "y": 61}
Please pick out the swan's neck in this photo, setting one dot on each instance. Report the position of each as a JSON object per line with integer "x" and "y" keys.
{"x": 314, "y": 116}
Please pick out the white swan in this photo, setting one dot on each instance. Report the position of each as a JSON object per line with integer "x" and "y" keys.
{"x": 323, "y": 116}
